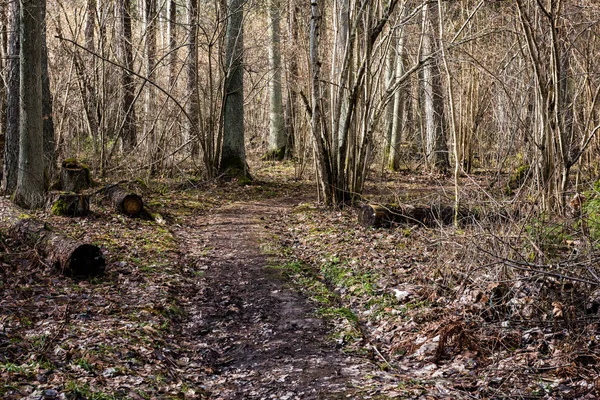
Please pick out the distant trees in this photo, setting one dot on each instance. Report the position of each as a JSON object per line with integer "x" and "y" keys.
{"x": 168, "y": 86}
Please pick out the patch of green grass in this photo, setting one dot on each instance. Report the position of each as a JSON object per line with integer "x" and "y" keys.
{"x": 307, "y": 281}
{"x": 338, "y": 312}
{"x": 78, "y": 390}
{"x": 84, "y": 364}
{"x": 343, "y": 275}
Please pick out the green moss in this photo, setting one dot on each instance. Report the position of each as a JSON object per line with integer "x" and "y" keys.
{"x": 74, "y": 163}
{"x": 60, "y": 207}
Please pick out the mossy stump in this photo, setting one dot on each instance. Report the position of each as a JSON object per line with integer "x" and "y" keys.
{"x": 74, "y": 176}
{"x": 68, "y": 204}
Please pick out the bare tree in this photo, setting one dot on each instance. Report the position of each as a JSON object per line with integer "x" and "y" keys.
{"x": 193, "y": 106}
{"x": 436, "y": 148}
{"x": 277, "y": 139}
{"x": 129, "y": 129}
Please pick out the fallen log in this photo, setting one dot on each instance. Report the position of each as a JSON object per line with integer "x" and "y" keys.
{"x": 376, "y": 215}
{"x": 70, "y": 257}
{"x": 68, "y": 204}
{"x": 125, "y": 202}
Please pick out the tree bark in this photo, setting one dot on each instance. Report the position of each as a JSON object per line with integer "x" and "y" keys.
{"x": 129, "y": 133}
{"x": 74, "y": 176}
{"x": 433, "y": 100}
{"x": 277, "y": 140}
{"x": 70, "y": 257}
{"x": 233, "y": 153}
{"x": 324, "y": 175}
{"x": 172, "y": 10}
{"x": 399, "y": 110}
{"x": 11, "y": 135}
{"x": 292, "y": 76}
{"x": 30, "y": 178}
{"x": 50, "y": 154}
{"x": 193, "y": 106}
{"x": 153, "y": 150}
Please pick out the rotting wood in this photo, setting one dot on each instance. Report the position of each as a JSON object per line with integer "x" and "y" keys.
{"x": 126, "y": 202}
{"x": 376, "y": 215}
{"x": 71, "y": 257}
{"x": 74, "y": 176}
{"x": 68, "y": 204}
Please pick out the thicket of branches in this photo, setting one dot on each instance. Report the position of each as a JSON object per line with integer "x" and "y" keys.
{"x": 138, "y": 87}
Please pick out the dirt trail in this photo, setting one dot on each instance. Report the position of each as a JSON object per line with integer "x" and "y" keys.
{"x": 259, "y": 337}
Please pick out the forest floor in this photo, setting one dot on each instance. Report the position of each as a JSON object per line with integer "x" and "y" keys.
{"x": 256, "y": 292}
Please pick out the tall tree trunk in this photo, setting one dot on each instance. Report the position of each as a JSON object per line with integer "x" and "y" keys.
{"x": 392, "y": 60}
{"x": 151, "y": 21}
{"x": 90, "y": 24}
{"x": 277, "y": 140}
{"x": 233, "y": 155}
{"x": 321, "y": 154}
{"x": 47, "y": 112}
{"x": 399, "y": 105}
{"x": 30, "y": 179}
{"x": 433, "y": 100}
{"x": 193, "y": 106}
{"x": 172, "y": 12}
{"x": 11, "y": 134}
{"x": 291, "y": 105}
{"x": 3, "y": 62}
{"x": 129, "y": 133}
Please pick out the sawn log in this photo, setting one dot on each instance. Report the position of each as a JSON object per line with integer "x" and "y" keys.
{"x": 125, "y": 202}
{"x": 71, "y": 257}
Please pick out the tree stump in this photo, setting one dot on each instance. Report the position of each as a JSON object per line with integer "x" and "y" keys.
{"x": 74, "y": 176}
{"x": 125, "y": 202}
{"x": 70, "y": 257}
{"x": 68, "y": 204}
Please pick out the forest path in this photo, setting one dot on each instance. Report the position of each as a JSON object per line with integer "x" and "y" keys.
{"x": 257, "y": 337}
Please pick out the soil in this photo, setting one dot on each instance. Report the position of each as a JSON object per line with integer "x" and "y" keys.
{"x": 258, "y": 337}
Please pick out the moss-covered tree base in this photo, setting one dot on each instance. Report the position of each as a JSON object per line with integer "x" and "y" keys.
{"x": 233, "y": 167}
{"x": 68, "y": 204}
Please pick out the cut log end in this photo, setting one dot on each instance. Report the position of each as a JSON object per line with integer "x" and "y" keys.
{"x": 372, "y": 215}
{"x": 125, "y": 202}
{"x": 86, "y": 261}
{"x": 70, "y": 257}
{"x": 132, "y": 204}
